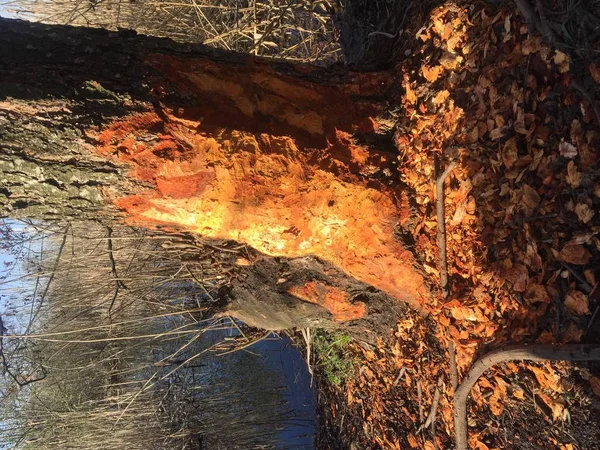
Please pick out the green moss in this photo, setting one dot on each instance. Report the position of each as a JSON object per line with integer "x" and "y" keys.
{"x": 334, "y": 357}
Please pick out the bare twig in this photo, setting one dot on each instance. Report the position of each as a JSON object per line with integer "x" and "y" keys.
{"x": 453, "y": 370}
{"x": 572, "y": 352}
{"x": 113, "y": 268}
{"x": 434, "y": 406}
{"x": 420, "y": 397}
{"x": 400, "y": 375}
{"x": 441, "y": 228}
{"x": 307, "y": 339}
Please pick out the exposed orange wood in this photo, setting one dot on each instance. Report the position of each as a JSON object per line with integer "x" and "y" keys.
{"x": 331, "y": 298}
{"x": 265, "y": 191}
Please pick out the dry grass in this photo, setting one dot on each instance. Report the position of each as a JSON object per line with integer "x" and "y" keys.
{"x": 291, "y": 29}
{"x": 117, "y": 335}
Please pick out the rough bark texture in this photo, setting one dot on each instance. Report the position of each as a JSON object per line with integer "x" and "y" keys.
{"x": 284, "y": 158}
{"x": 46, "y": 172}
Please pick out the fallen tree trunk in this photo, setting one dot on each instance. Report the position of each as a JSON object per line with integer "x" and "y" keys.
{"x": 287, "y": 159}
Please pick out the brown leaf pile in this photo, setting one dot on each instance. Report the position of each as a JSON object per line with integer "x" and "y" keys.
{"x": 522, "y": 227}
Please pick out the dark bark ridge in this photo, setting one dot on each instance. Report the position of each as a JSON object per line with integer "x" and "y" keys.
{"x": 271, "y": 279}
{"x": 45, "y": 170}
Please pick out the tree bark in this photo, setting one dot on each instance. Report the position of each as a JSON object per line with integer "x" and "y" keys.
{"x": 294, "y": 161}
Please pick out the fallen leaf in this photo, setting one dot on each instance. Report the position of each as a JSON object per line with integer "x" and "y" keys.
{"x": 509, "y": 152}
{"x": 567, "y": 150}
{"x": 441, "y": 97}
{"x": 412, "y": 441}
{"x": 431, "y": 74}
{"x": 476, "y": 444}
{"x": 573, "y": 176}
{"x": 531, "y": 45}
{"x": 536, "y": 293}
{"x": 562, "y": 61}
{"x": 496, "y": 404}
{"x": 518, "y": 394}
{"x": 531, "y": 199}
{"x": 590, "y": 277}
{"x": 450, "y": 61}
{"x": 410, "y": 95}
{"x": 242, "y": 262}
{"x": 574, "y": 254}
{"x": 463, "y": 313}
{"x": 545, "y": 379}
{"x": 595, "y": 72}
{"x": 555, "y": 405}
{"x": 497, "y": 133}
{"x": 584, "y": 212}
{"x": 577, "y": 302}
{"x": 473, "y": 136}
{"x": 518, "y": 277}
{"x": 453, "y": 42}
{"x": 459, "y": 214}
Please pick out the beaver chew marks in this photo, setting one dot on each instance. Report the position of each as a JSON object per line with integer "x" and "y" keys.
{"x": 271, "y": 193}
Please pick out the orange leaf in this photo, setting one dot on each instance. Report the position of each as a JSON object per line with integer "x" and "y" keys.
{"x": 441, "y": 97}
{"x": 496, "y": 404}
{"x": 432, "y": 73}
{"x": 545, "y": 379}
{"x": 518, "y": 393}
{"x": 556, "y": 406}
{"x": 410, "y": 95}
{"x": 463, "y": 313}
{"x": 412, "y": 441}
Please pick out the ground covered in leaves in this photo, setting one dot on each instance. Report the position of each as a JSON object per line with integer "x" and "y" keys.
{"x": 519, "y": 116}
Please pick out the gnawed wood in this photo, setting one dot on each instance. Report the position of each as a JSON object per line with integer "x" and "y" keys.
{"x": 276, "y": 156}
{"x": 269, "y": 193}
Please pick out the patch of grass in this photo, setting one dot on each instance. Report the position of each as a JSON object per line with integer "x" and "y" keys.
{"x": 334, "y": 357}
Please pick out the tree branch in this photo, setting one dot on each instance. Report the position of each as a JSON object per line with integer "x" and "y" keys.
{"x": 572, "y": 353}
{"x": 441, "y": 228}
